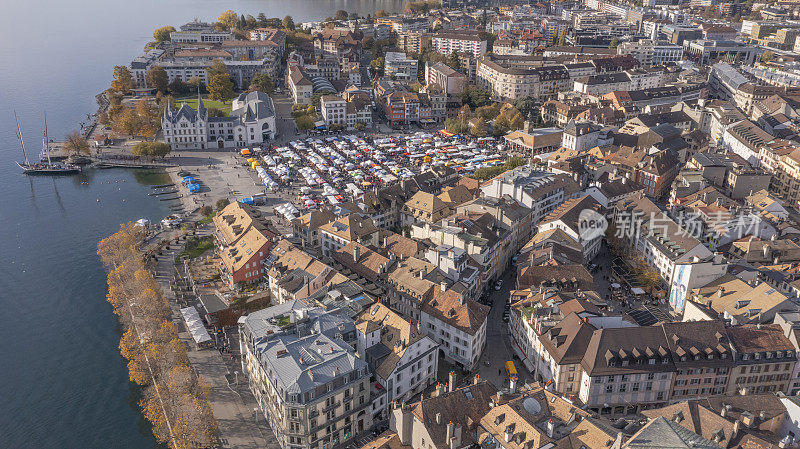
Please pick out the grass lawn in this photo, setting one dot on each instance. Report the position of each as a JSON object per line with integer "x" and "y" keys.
{"x": 195, "y": 247}
{"x": 224, "y": 106}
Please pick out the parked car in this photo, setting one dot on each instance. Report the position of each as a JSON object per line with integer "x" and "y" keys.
{"x": 498, "y": 285}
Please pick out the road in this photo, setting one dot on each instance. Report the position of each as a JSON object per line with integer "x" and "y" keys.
{"x": 498, "y": 345}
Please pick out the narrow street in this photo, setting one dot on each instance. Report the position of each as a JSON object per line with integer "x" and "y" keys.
{"x": 498, "y": 348}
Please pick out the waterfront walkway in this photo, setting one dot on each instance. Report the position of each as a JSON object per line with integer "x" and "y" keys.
{"x": 240, "y": 423}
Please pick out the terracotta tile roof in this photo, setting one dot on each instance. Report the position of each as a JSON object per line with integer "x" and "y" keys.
{"x": 455, "y": 195}
{"x": 451, "y": 307}
{"x": 363, "y": 261}
{"x": 386, "y": 440}
{"x": 566, "y": 277}
{"x": 396, "y": 333}
{"x": 350, "y": 227}
{"x": 472, "y": 403}
{"x": 758, "y": 338}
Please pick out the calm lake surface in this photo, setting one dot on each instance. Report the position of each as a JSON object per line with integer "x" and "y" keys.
{"x": 62, "y": 381}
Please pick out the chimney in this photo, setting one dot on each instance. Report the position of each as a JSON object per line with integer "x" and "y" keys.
{"x": 456, "y": 442}
{"x": 356, "y": 253}
{"x": 438, "y": 417}
{"x": 450, "y": 431}
{"x": 762, "y": 415}
{"x": 723, "y": 412}
{"x": 439, "y": 389}
{"x": 385, "y": 241}
{"x": 509, "y": 433}
{"x": 551, "y": 426}
{"x": 736, "y": 426}
{"x": 443, "y": 286}
{"x": 512, "y": 385}
{"x": 403, "y": 424}
{"x": 451, "y": 381}
{"x": 476, "y": 379}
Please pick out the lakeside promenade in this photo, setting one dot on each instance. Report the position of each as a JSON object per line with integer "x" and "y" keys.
{"x": 240, "y": 423}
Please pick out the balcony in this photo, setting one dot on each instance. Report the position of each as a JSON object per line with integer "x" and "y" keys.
{"x": 333, "y": 406}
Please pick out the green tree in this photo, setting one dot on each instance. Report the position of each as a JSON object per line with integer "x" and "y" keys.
{"x": 767, "y": 56}
{"x": 480, "y": 128}
{"x": 228, "y": 19}
{"x": 456, "y": 126}
{"x": 614, "y": 43}
{"x": 158, "y": 79}
{"x": 163, "y": 34}
{"x": 76, "y": 144}
{"x": 465, "y": 113}
{"x": 376, "y": 66}
{"x": 206, "y": 211}
{"x": 454, "y": 61}
{"x": 216, "y": 112}
{"x": 261, "y": 19}
{"x": 222, "y": 203}
{"x": 178, "y": 87}
{"x": 340, "y": 15}
{"x": 488, "y": 112}
{"x": 159, "y": 149}
{"x": 196, "y": 85}
{"x": 250, "y": 22}
{"x": 263, "y": 83}
{"x": 288, "y": 23}
{"x": 217, "y": 68}
{"x": 526, "y": 106}
{"x": 304, "y": 123}
{"x": 123, "y": 80}
{"x": 475, "y": 96}
{"x": 220, "y": 85}
{"x": 127, "y": 122}
{"x": 381, "y": 13}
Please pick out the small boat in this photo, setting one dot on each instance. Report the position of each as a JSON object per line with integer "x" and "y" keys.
{"x": 43, "y": 168}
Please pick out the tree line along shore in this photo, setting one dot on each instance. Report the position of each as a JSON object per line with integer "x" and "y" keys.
{"x": 174, "y": 399}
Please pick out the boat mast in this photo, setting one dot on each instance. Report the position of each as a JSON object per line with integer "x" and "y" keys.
{"x": 19, "y": 136}
{"x": 46, "y": 141}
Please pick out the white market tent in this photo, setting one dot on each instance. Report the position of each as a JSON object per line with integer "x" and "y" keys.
{"x": 195, "y": 325}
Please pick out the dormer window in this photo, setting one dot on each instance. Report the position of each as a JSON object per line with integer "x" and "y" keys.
{"x": 724, "y": 356}
{"x": 769, "y": 355}
{"x": 652, "y": 361}
{"x": 745, "y": 356}
{"x": 624, "y": 363}
{"x": 710, "y": 356}
{"x": 757, "y": 356}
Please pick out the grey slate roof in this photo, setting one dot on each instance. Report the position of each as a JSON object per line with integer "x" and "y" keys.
{"x": 308, "y": 352}
{"x": 662, "y": 433}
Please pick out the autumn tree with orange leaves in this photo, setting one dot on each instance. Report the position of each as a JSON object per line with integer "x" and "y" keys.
{"x": 175, "y": 400}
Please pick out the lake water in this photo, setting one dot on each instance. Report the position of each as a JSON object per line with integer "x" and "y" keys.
{"x": 62, "y": 381}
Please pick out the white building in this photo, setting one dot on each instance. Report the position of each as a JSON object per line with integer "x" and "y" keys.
{"x": 567, "y": 218}
{"x": 539, "y": 191}
{"x": 400, "y": 66}
{"x": 447, "y": 42}
{"x": 334, "y": 110}
{"x": 403, "y": 358}
{"x": 583, "y": 136}
{"x": 251, "y": 122}
{"x": 652, "y": 52}
{"x": 458, "y": 325}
